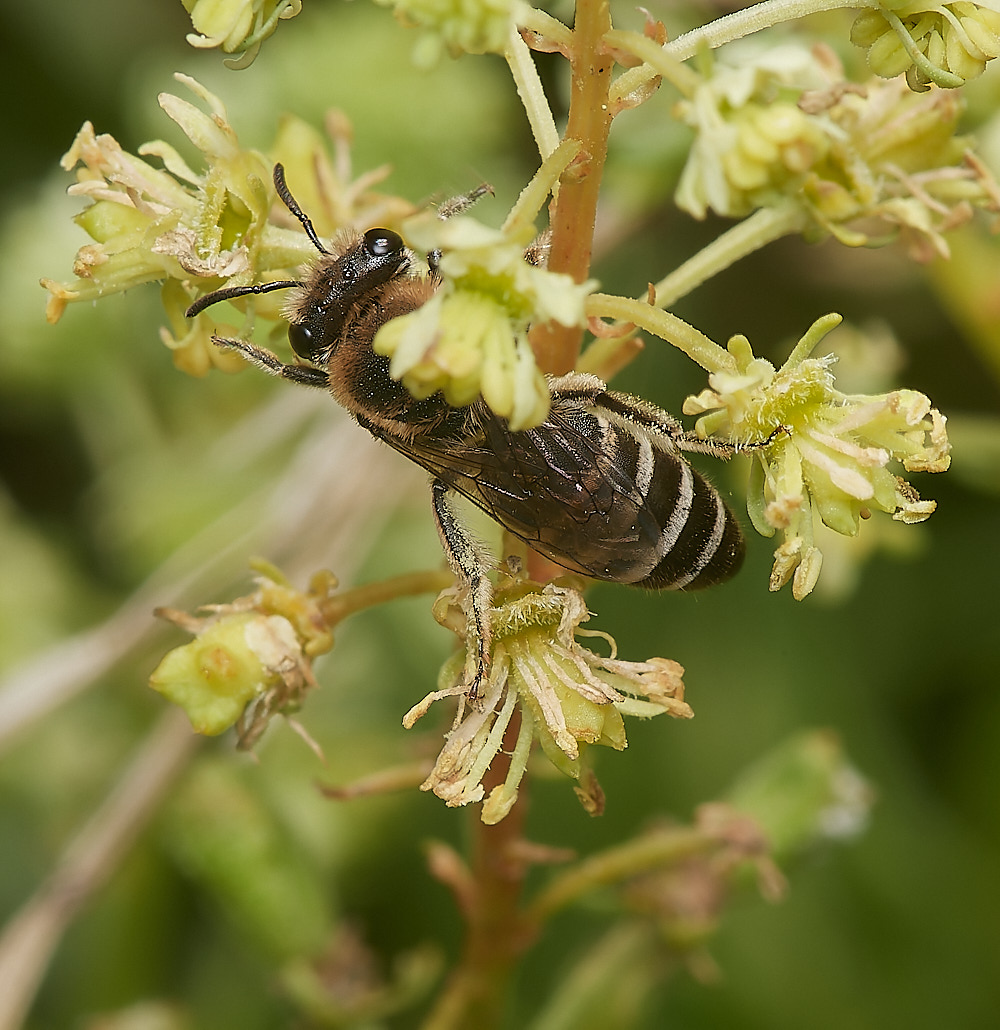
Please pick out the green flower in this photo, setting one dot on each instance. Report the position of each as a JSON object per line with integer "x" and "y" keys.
{"x": 250, "y": 659}
{"x": 831, "y": 460}
{"x": 864, "y": 164}
{"x": 568, "y": 696}
{"x": 234, "y": 660}
{"x": 154, "y": 224}
{"x": 471, "y": 338}
{"x": 456, "y": 26}
{"x": 753, "y": 143}
{"x": 897, "y": 168}
{"x": 237, "y": 26}
{"x": 944, "y": 44}
{"x": 196, "y": 231}
{"x": 802, "y": 792}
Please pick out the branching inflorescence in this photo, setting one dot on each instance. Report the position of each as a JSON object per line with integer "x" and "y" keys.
{"x": 782, "y": 140}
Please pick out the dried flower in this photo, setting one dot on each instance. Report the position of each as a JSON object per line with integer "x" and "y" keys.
{"x": 567, "y": 696}
{"x": 833, "y": 455}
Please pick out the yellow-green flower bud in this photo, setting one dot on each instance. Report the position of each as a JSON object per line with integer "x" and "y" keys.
{"x": 215, "y": 677}
{"x": 237, "y": 26}
{"x": 456, "y": 26}
{"x": 252, "y": 655}
{"x": 947, "y": 44}
{"x": 222, "y": 23}
{"x": 886, "y": 55}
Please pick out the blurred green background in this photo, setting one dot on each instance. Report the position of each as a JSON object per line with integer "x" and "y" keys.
{"x": 113, "y": 464}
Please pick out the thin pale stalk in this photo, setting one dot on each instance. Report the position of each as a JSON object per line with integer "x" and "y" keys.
{"x": 654, "y": 851}
{"x": 695, "y": 344}
{"x": 91, "y": 859}
{"x": 368, "y": 595}
{"x": 532, "y": 94}
{"x": 682, "y": 78}
{"x": 544, "y": 182}
{"x": 753, "y": 233}
{"x": 754, "y": 19}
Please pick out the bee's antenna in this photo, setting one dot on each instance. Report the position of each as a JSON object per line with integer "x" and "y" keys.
{"x": 237, "y": 291}
{"x": 293, "y": 205}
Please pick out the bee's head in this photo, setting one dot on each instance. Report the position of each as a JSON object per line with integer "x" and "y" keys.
{"x": 357, "y": 267}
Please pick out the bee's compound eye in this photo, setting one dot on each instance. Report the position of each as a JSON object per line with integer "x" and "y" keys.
{"x": 301, "y": 339}
{"x": 382, "y": 242}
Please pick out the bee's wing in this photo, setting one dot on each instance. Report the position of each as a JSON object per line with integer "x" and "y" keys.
{"x": 559, "y": 487}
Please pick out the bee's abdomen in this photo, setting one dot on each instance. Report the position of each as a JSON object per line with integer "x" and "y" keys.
{"x": 700, "y": 542}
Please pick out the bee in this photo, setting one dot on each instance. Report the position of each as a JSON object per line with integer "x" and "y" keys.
{"x": 601, "y": 487}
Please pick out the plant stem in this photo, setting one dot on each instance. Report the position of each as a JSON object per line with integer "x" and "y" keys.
{"x": 408, "y": 584}
{"x": 753, "y": 19}
{"x": 762, "y": 227}
{"x": 660, "y": 849}
{"x": 33, "y": 933}
{"x": 496, "y": 932}
{"x": 557, "y": 347}
{"x": 532, "y": 94}
{"x": 694, "y": 343}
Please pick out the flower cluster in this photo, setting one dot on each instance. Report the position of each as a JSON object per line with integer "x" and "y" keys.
{"x": 471, "y": 337}
{"x": 864, "y": 164}
{"x": 944, "y": 44}
{"x": 831, "y": 454}
{"x": 237, "y": 26}
{"x": 153, "y": 223}
{"x": 753, "y": 143}
{"x": 456, "y": 26}
{"x": 196, "y": 231}
{"x": 250, "y": 659}
{"x": 566, "y": 695}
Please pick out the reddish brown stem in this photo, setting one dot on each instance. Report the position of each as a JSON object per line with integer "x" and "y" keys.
{"x": 557, "y": 347}
{"x": 496, "y": 933}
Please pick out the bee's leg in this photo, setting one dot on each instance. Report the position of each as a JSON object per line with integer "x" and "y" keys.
{"x": 467, "y": 563}
{"x": 456, "y": 206}
{"x": 460, "y": 204}
{"x": 648, "y": 417}
{"x": 690, "y": 441}
{"x": 304, "y": 375}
